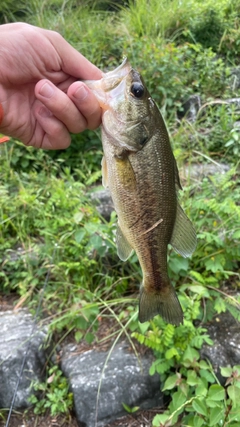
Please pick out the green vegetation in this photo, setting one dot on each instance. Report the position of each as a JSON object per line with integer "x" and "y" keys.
{"x": 47, "y": 219}
{"x": 54, "y": 394}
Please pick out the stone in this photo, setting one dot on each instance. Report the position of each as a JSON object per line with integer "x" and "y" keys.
{"x": 224, "y": 330}
{"x": 189, "y": 109}
{"x": 234, "y": 101}
{"x": 120, "y": 377}
{"x": 19, "y": 335}
{"x": 103, "y": 202}
{"x": 235, "y": 78}
{"x": 199, "y": 171}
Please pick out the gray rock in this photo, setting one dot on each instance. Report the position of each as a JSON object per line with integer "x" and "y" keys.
{"x": 103, "y": 201}
{"x": 225, "y": 333}
{"x": 199, "y": 171}
{"x": 124, "y": 379}
{"x": 234, "y": 101}
{"x": 15, "y": 340}
{"x": 190, "y": 108}
{"x": 235, "y": 78}
{"x": 21, "y": 253}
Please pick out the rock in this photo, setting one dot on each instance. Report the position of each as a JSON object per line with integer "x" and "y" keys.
{"x": 190, "y": 108}
{"x": 234, "y": 101}
{"x": 103, "y": 201}
{"x": 16, "y": 328}
{"x": 199, "y": 171}
{"x": 235, "y": 78}
{"x": 31, "y": 254}
{"x": 123, "y": 378}
{"x": 224, "y": 330}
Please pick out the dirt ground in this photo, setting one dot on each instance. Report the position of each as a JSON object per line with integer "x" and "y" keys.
{"x": 139, "y": 419}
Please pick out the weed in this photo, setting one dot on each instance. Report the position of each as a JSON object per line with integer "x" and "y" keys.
{"x": 53, "y": 395}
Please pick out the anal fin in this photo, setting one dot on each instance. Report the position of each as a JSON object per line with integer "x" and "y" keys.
{"x": 184, "y": 239}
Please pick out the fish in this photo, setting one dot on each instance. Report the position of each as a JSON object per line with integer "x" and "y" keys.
{"x": 140, "y": 170}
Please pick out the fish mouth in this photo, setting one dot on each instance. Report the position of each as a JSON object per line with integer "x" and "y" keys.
{"x": 110, "y": 81}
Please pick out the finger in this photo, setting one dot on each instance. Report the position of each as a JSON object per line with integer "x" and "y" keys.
{"x": 60, "y": 105}
{"x": 50, "y": 133}
{"x": 87, "y": 103}
{"x": 73, "y": 62}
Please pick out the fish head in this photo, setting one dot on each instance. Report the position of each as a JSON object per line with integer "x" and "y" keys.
{"x": 128, "y": 109}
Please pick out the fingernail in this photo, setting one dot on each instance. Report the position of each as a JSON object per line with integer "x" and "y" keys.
{"x": 81, "y": 93}
{"x": 46, "y": 90}
{"x": 44, "y": 112}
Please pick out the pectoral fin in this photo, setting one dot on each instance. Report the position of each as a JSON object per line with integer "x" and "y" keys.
{"x": 124, "y": 250}
{"x": 104, "y": 173}
{"x": 183, "y": 238}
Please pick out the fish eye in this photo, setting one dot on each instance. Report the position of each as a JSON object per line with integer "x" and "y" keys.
{"x": 137, "y": 90}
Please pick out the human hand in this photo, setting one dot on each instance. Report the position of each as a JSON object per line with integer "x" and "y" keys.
{"x": 41, "y": 96}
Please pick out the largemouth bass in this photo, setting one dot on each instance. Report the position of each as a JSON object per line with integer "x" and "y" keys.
{"x": 141, "y": 172}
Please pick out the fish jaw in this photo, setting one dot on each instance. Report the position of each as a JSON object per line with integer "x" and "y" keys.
{"x": 109, "y": 88}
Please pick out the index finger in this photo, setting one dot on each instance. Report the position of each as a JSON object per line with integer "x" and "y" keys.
{"x": 73, "y": 62}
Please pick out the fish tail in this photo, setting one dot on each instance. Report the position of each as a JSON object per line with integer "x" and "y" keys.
{"x": 164, "y": 303}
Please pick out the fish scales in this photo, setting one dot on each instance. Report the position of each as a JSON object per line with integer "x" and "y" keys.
{"x": 140, "y": 170}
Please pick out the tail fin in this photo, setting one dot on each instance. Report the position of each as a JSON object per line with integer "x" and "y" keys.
{"x": 165, "y": 304}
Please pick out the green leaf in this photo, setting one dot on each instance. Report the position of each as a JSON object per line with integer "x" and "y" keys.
{"x": 197, "y": 276}
{"x": 130, "y": 409}
{"x": 215, "y": 416}
{"x": 197, "y": 421}
{"x": 170, "y": 382}
{"x": 171, "y": 352}
{"x": 200, "y": 290}
{"x": 178, "y": 400}
{"x": 78, "y": 336}
{"x": 78, "y": 217}
{"x": 201, "y": 389}
{"x": 143, "y": 326}
{"x": 226, "y": 372}
{"x": 160, "y": 419}
{"x": 89, "y": 337}
{"x": 177, "y": 264}
{"x": 200, "y": 407}
{"x": 220, "y": 305}
{"x": 236, "y": 234}
{"x": 191, "y": 354}
{"x": 216, "y": 392}
{"x": 213, "y": 403}
{"x": 234, "y": 394}
{"x": 192, "y": 378}
{"x": 215, "y": 263}
{"x": 79, "y": 235}
{"x": 152, "y": 369}
{"x": 207, "y": 375}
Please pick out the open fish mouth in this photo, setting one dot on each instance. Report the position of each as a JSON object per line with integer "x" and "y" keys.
{"x": 110, "y": 82}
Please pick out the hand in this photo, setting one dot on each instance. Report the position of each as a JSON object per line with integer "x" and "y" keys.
{"x": 40, "y": 93}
